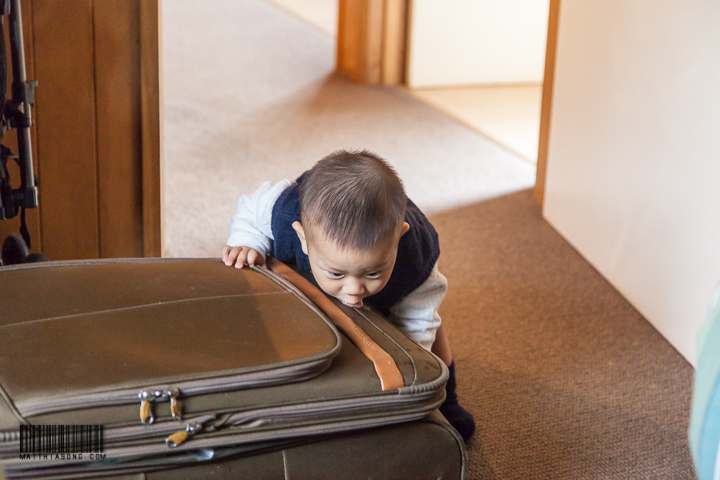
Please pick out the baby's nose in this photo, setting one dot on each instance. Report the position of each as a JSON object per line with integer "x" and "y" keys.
{"x": 354, "y": 288}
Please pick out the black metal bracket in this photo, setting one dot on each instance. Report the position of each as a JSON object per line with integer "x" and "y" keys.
{"x": 16, "y": 114}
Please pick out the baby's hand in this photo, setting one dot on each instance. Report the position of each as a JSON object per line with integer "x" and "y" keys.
{"x": 239, "y": 255}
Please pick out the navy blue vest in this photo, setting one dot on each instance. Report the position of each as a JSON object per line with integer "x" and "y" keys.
{"x": 418, "y": 249}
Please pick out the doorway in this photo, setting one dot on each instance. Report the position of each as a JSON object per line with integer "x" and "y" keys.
{"x": 250, "y": 94}
{"x": 482, "y": 63}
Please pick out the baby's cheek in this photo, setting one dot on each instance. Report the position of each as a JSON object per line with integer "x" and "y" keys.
{"x": 328, "y": 287}
{"x": 376, "y": 286}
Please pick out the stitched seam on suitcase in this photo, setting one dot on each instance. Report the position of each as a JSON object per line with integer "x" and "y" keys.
{"x": 283, "y": 374}
{"x": 385, "y": 334}
{"x": 151, "y": 451}
{"x": 285, "y": 466}
{"x": 103, "y": 261}
{"x": 144, "y": 305}
{"x": 12, "y": 406}
{"x": 410, "y": 389}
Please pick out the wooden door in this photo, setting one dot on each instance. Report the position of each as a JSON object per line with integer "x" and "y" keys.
{"x": 96, "y": 138}
{"x": 372, "y": 39}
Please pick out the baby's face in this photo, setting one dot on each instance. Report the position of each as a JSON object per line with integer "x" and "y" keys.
{"x": 351, "y": 275}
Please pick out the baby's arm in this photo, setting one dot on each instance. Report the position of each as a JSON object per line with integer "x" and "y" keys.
{"x": 416, "y": 315}
{"x": 251, "y": 231}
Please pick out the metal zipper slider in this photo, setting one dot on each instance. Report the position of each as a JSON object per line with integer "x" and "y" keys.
{"x": 178, "y": 438}
{"x": 148, "y": 397}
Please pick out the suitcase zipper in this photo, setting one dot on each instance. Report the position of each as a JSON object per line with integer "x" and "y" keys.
{"x": 284, "y": 374}
{"x": 276, "y": 416}
{"x": 316, "y": 412}
{"x": 11, "y": 436}
{"x": 315, "y": 418}
{"x": 423, "y": 398}
{"x": 204, "y": 446}
{"x": 177, "y": 438}
{"x": 313, "y": 413}
{"x": 148, "y": 397}
{"x": 10, "y": 440}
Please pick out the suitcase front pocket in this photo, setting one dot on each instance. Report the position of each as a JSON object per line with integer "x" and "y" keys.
{"x": 166, "y": 350}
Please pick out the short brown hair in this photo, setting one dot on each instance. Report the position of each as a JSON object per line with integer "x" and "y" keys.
{"x": 356, "y": 198}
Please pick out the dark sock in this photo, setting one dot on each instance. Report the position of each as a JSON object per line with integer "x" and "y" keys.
{"x": 458, "y": 417}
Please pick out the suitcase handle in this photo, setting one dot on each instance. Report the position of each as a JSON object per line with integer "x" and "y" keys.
{"x": 385, "y": 366}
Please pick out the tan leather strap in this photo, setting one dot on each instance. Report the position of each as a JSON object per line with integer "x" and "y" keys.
{"x": 387, "y": 370}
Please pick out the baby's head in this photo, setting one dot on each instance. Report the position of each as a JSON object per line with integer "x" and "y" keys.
{"x": 352, "y": 207}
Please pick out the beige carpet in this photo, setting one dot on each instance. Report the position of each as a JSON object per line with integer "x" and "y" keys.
{"x": 565, "y": 378}
{"x": 249, "y": 96}
{"x": 509, "y": 114}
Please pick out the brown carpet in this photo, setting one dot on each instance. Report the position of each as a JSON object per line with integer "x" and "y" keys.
{"x": 565, "y": 378}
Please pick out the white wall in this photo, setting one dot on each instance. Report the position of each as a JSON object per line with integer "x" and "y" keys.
{"x": 633, "y": 179}
{"x": 469, "y": 42}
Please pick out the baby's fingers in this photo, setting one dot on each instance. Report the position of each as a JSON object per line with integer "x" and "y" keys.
{"x": 232, "y": 255}
{"x": 225, "y": 250}
{"x": 254, "y": 258}
{"x": 241, "y": 257}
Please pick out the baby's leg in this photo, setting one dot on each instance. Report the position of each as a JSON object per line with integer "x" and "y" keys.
{"x": 441, "y": 346}
{"x": 458, "y": 417}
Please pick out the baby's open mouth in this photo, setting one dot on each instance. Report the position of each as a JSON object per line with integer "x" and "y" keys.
{"x": 353, "y": 305}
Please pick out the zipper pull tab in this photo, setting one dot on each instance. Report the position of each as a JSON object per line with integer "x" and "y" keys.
{"x": 175, "y": 409}
{"x": 178, "y": 438}
{"x": 146, "y": 413}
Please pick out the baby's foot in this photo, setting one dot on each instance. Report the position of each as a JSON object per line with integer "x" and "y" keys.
{"x": 458, "y": 417}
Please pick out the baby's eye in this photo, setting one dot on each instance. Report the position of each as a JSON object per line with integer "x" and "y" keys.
{"x": 335, "y": 275}
{"x": 373, "y": 275}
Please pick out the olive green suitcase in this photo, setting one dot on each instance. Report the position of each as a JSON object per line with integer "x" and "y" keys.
{"x": 189, "y": 364}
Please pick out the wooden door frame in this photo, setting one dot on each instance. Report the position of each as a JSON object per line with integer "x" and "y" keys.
{"x": 151, "y": 125}
{"x": 372, "y": 40}
{"x": 373, "y": 44}
{"x": 547, "y": 94}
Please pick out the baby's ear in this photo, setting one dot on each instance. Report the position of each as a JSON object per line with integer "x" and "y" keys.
{"x": 297, "y": 226}
{"x": 405, "y": 228}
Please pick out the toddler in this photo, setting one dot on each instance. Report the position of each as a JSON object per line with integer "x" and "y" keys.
{"x": 349, "y": 222}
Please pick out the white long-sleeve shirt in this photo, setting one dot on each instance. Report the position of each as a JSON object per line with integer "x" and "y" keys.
{"x": 416, "y": 315}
